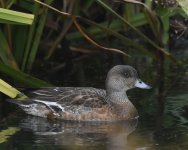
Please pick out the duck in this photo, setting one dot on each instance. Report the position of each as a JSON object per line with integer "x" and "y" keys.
{"x": 87, "y": 103}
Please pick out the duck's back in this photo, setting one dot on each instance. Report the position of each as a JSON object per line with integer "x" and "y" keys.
{"x": 69, "y": 103}
{"x": 72, "y": 96}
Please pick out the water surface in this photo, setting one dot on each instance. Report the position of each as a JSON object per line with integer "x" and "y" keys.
{"x": 152, "y": 131}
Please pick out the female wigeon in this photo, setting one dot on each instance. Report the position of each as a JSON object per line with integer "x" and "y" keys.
{"x": 87, "y": 103}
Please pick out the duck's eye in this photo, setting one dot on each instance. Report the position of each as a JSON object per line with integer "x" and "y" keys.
{"x": 126, "y": 75}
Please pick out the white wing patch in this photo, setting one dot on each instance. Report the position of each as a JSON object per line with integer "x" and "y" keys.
{"x": 45, "y": 93}
{"x": 49, "y": 104}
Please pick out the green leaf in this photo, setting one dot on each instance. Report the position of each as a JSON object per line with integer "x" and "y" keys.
{"x": 184, "y": 5}
{"x": 104, "y": 5}
{"x": 27, "y": 5}
{"x": 5, "y": 134}
{"x": 30, "y": 36}
{"x": 5, "y": 52}
{"x": 22, "y": 77}
{"x": 10, "y": 91}
{"x": 37, "y": 38}
{"x": 20, "y": 38}
{"x": 16, "y": 17}
{"x": 10, "y": 3}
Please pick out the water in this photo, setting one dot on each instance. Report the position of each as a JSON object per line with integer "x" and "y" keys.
{"x": 38, "y": 133}
{"x": 152, "y": 131}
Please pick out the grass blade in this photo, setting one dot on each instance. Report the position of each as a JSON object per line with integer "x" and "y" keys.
{"x": 5, "y": 134}
{"x": 37, "y": 38}
{"x": 30, "y": 37}
{"x": 15, "y": 16}
{"x": 132, "y": 27}
{"x": 23, "y": 77}
{"x": 184, "y": 5}
{"x": 19, "y": 42}
{"x": 5, "y": 52}
{"x": 10, "y": 91}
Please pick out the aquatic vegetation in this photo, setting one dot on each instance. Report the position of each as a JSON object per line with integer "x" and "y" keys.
{"x": 184, "y": 5}
{"x": 26, "y": 38}
{"x": 74, "y": 42}
{"x": 9, "y": 90}
{"x": 7, "y": 133}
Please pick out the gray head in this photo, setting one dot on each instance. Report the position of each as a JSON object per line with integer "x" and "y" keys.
{"x": 122, "y": 78}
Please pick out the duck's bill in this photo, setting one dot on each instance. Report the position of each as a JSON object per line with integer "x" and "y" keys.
{"x": 140, "y": 84}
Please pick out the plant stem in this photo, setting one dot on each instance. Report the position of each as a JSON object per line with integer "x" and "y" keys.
{"x": 30, "y": 37}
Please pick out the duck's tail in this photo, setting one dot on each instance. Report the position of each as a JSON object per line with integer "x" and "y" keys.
{"x": 19, "y": 102}
{"x": 30, "y": 107}
{"x": 39, "y": 107}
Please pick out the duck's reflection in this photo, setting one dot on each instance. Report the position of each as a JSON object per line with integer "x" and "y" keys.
{"x": 112, "y": 135}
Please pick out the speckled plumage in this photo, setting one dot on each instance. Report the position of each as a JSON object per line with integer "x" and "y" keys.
{"x": 87, "y": 103}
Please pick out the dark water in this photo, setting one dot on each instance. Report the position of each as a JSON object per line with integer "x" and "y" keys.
{"x": 154, "y": 130}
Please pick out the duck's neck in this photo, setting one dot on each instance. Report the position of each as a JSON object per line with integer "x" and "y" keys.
{"x": 117, "y": 97}
{"x": 121, "y": 104}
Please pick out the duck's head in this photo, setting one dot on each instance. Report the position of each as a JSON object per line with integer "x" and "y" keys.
{"x": 122, "y": 78}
